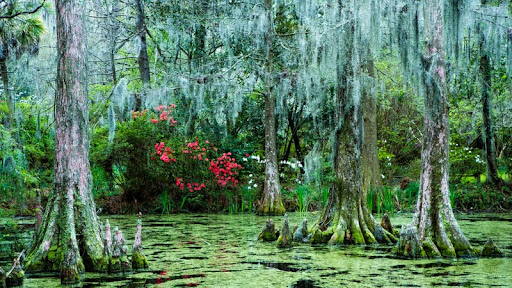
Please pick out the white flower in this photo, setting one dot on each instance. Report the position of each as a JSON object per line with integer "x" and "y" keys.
{"x": 382, "y": 176}
{"x": 255, "y": 185}
{"x": 250, "y": 181}
{"x": 250, "y": 175}
{"x": 249, "y": 188}
{"x": 244, "y": 159}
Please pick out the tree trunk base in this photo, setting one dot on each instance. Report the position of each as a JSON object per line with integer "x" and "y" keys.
{"x": 265, "y": 209}
{"x": 120, "y": 265}
{"x": 409, "y": 245}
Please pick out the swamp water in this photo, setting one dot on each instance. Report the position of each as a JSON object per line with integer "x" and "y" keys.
{"x": 222, "y": 251}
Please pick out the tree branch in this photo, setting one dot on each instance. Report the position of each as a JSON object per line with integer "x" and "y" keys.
{"x": 23, "y": 12}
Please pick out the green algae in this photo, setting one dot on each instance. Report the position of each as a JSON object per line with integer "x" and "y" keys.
{"x": 223, "y": 251}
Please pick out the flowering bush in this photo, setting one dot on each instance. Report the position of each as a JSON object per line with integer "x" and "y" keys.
{"x": 197, "y": 169}
{"x": 193, "y": 161}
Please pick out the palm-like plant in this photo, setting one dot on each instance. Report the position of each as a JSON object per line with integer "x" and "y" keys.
{"x": 18, "y": 35}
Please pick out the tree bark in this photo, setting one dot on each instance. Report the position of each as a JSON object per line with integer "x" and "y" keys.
{"x": 437, "y": 229}
{"x": 69, "y": 238}
{"x": 5, "y": 83}
{"x": 370, "y": 159}
{"x": 488, "y": 133}
{"x": 271, "y": 202}
{"x": 143, "y": 54}
{"x": 345, "y": 218}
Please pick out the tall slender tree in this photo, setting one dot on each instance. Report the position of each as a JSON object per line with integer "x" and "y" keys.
{"x": 434, "y": 230}
{"x": 69, "y": 239}
{"x": 143, "y": 53}
{"x": 488, "y": 133}
{"x": 271, "y": 202}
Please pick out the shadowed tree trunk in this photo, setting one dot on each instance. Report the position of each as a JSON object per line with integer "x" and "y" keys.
{"x": 488, "y": 133}
{"x": 271, "y": 202}
{"x": 435, "y": 231}
{"x": 69, "y": 239}
{"x": 370, "y": 159}
{"x": 344, "y": 220}
{"x": 5, "y": 83}
{"x": 143, "y": 54}
{"x": 8, "y": 99}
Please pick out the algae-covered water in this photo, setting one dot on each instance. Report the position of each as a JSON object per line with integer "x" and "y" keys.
{"x": 222, "y": 251}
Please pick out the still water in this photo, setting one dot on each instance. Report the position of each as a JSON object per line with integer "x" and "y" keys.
{"x": 206, "y": 250}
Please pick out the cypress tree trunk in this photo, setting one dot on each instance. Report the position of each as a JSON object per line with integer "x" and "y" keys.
{"x": 438, "y": 233}
{"x": 69, "y": 239}
{"x": 345, "y": 218}
{"x": 271, "y": 202}
{"x": 488, "y": 133}
{"x": 143, "y": 54}
{"x": 370, "y": 159}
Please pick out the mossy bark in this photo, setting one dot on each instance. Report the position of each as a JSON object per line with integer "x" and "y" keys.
{"x": 269, "y": 233}
{"x": 119, "y": 262}
{"x": 285, "y": 237}
{"x": 271, "y": 202}
{"x": 301, "y": 234}
{"x": 491, "y": 249}
{"x": 370, "y": 160}
{"x": 70, "y": 220}
{"x": 345, "y": 217}
{"x": 434, "y": 218}
{"x": 139, "y": 260}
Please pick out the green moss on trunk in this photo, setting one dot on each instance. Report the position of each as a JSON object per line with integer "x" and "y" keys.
{"x": 139, "y": 260}
{"x": 430, "y": 248}
{"x": 491, "y": 249}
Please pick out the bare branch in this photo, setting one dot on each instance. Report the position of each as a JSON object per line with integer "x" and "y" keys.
{"x": 23, "y": 12}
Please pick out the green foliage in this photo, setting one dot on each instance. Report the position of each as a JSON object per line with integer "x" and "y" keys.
{"x": 302, "y": 193}
{"x": 137, "y": 177}
{"x": 27, "y": 167}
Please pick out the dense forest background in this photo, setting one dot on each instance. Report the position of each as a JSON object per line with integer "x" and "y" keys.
{"x": 178, "y": 95}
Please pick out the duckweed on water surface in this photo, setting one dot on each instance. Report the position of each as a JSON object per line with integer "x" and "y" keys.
{"x": 222, "y": 251}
